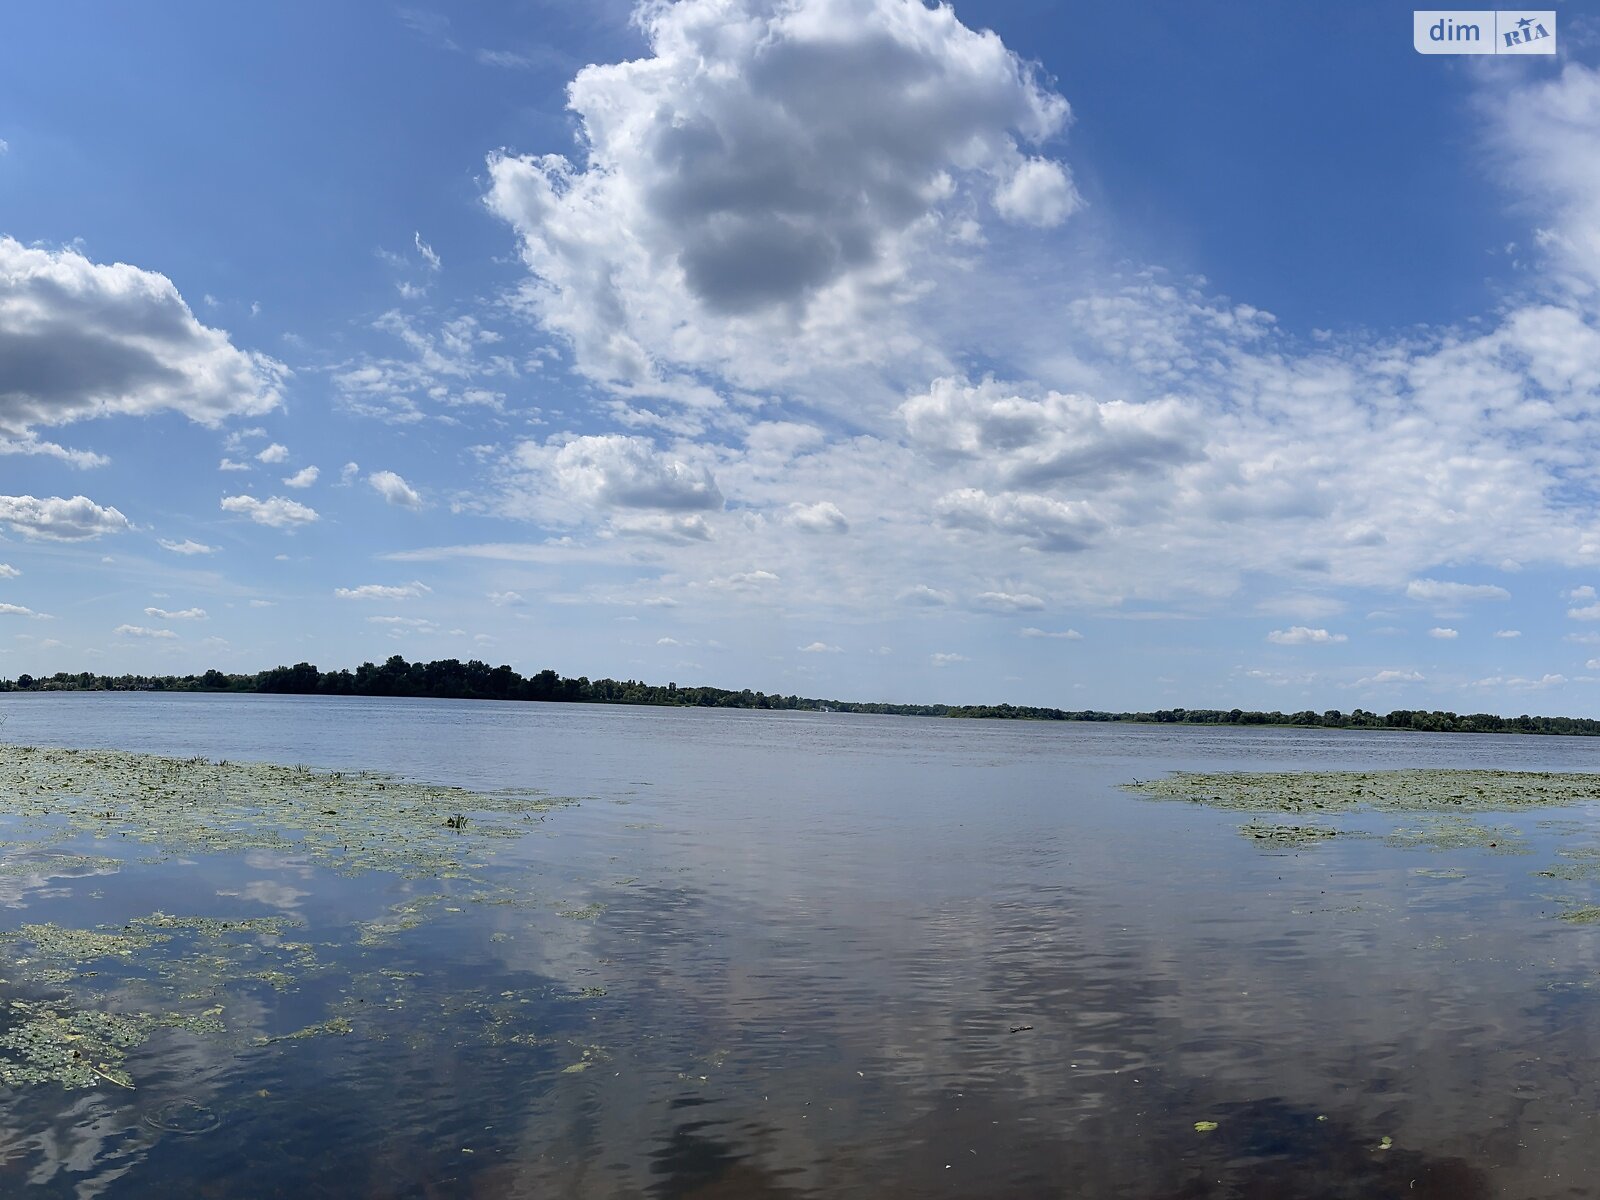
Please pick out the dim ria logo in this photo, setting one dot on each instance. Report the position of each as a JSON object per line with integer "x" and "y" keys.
{"x": 1484, "y": 32}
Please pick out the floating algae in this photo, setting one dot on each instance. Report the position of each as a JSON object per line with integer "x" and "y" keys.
{"x": 126, "y": 981}
{"x": 1334, "y": 792}
{"x": 1458, "y": 833}
{"x": 1439, "y": 806}
{"x": 1288, "y": 836}
{"x": 350, "y": 821}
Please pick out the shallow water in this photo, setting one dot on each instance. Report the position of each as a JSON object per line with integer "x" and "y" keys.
{"x": 803, "y": 954}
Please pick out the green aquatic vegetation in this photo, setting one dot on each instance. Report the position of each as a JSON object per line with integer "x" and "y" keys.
{"x": 350, "y": 821}
{"x": 1458, "y": 833}
{"x": 47, "y": 1042}
{"x": 587, "y": 913}
{"x": 1335, "y": 792}
{"x": 80, "y": 1002}
{"x": 332, "y": 1027}
{"x": 1288, "y": 836}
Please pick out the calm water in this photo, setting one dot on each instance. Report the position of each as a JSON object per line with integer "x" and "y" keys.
{"x": 826, "y": 955}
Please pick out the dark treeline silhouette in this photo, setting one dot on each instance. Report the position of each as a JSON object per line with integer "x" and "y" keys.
{"x": 455, "y": 680}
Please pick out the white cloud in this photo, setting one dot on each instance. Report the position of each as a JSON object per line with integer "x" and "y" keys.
{"x": 427, "y": 252}
{"x": 55, "y": 519}
{"x": 381, "y": 591}
{"x": 187, "y": 547}
{"x": 1043, "y": 522}
{"x": 1299, "y": 635}
{"x": 771, "y": 169}
{"x": 1035, "y": 439}
{"x": 80, "y": 339}
{"x": 615, "y": 471}
{"x": 1070, "y": 635}
{"x": 228, "y": 464}
{"x": 506, "y": 599}
{"x": 948, "y": 660}
{"x": 820, "y": 648}
{"x": 7, "y": 571}
{"x": 673, "y": 528}
{"x": 1517, "y": 683}
{"x": 274, "y": 454}
{"x": 822, "y": 517}
{"x": 185, "y": 614}
{"x": 16, "y": 610}
{"x": 1438, "y": 591}
{"x": 1443, "y": 634}
{"x": 139, "y": 631}
{"x": 925, "y": 596}
{"x": 349, "y": 473}
{"x": 394, "y": 489}
{"x": 1008, "y": 601}
{"x": 1508, "y": 633}
{"x": 1586, "y": 592}
{"x": 1390, "y": 675}
{"x": 1039, "y": 192}
{"x": 302, "y": 478}
{"x": 276, "y": 512}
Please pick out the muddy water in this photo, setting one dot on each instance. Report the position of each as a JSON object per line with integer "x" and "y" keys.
{"x": 815, "y": 955}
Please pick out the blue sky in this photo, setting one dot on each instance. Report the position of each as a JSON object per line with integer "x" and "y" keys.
{"x": 1060, "y": 354}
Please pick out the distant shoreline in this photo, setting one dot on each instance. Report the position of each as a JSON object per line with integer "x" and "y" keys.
{"x": 451, "y": 679}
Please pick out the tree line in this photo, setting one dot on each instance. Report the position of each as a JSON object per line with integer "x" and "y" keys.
{"x": 451, "y": 679}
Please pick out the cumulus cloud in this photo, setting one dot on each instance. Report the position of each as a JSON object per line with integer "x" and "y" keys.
{"x": 80, "y": 339}
{"x": 927, "y": 597}
{"x": 506, "y": 599}
{"x": 140, "y": 631}
{"x": 1299, "y": 635}
{"x": 1390, "y": 675}
{"x": 1070, "y": 635}
{"x": 1443, "y": 634}
{"x": 382, "y": 591}
{"x": 394, "y": 489}
{"x": 1042, "y": 521}
{"x": 1008, "y": 601}
{"x": 302, "y": 478}
{"x": 7, "y": 571}
{"x": 188, "y": 547}
{"x": 947, "y": 659}
{"x": 55, "y": 519}
{"x": 820, "y": 648}
{"x": 1039, "y": 192}
{"x": 1049, "y": 438}
{"x": 771, "y": 167}
{"x": 16, "y": 610}
{"x": 672, "y": 528}
{"x": 612, "y": 470}
{"x": 1438, "y": 591}
{"x": 183, "y": 614}
{"x": 1508, "y": 633}
{"x": 274, "y": 454}
{"x": 821, "y": 517}
{"x": 275, "y": 512}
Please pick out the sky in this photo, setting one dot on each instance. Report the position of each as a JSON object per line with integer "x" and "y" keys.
{"x": 1100, "y": 356}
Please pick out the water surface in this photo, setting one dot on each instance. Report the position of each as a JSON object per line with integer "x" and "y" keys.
{"x": 795, "y": 954}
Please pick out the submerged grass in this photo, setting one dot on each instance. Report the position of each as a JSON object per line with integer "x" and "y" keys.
{"x": 349, "y": 821}
{"x": 1440, "y": 811}
{"x": 79, "y": 1001}
{"x": 1334, "y": 792}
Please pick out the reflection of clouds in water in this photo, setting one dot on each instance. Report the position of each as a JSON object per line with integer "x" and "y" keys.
{"x": 273, "y": 860}
{"x": 266, "y": 891}
{"x": 26, "y": 874}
